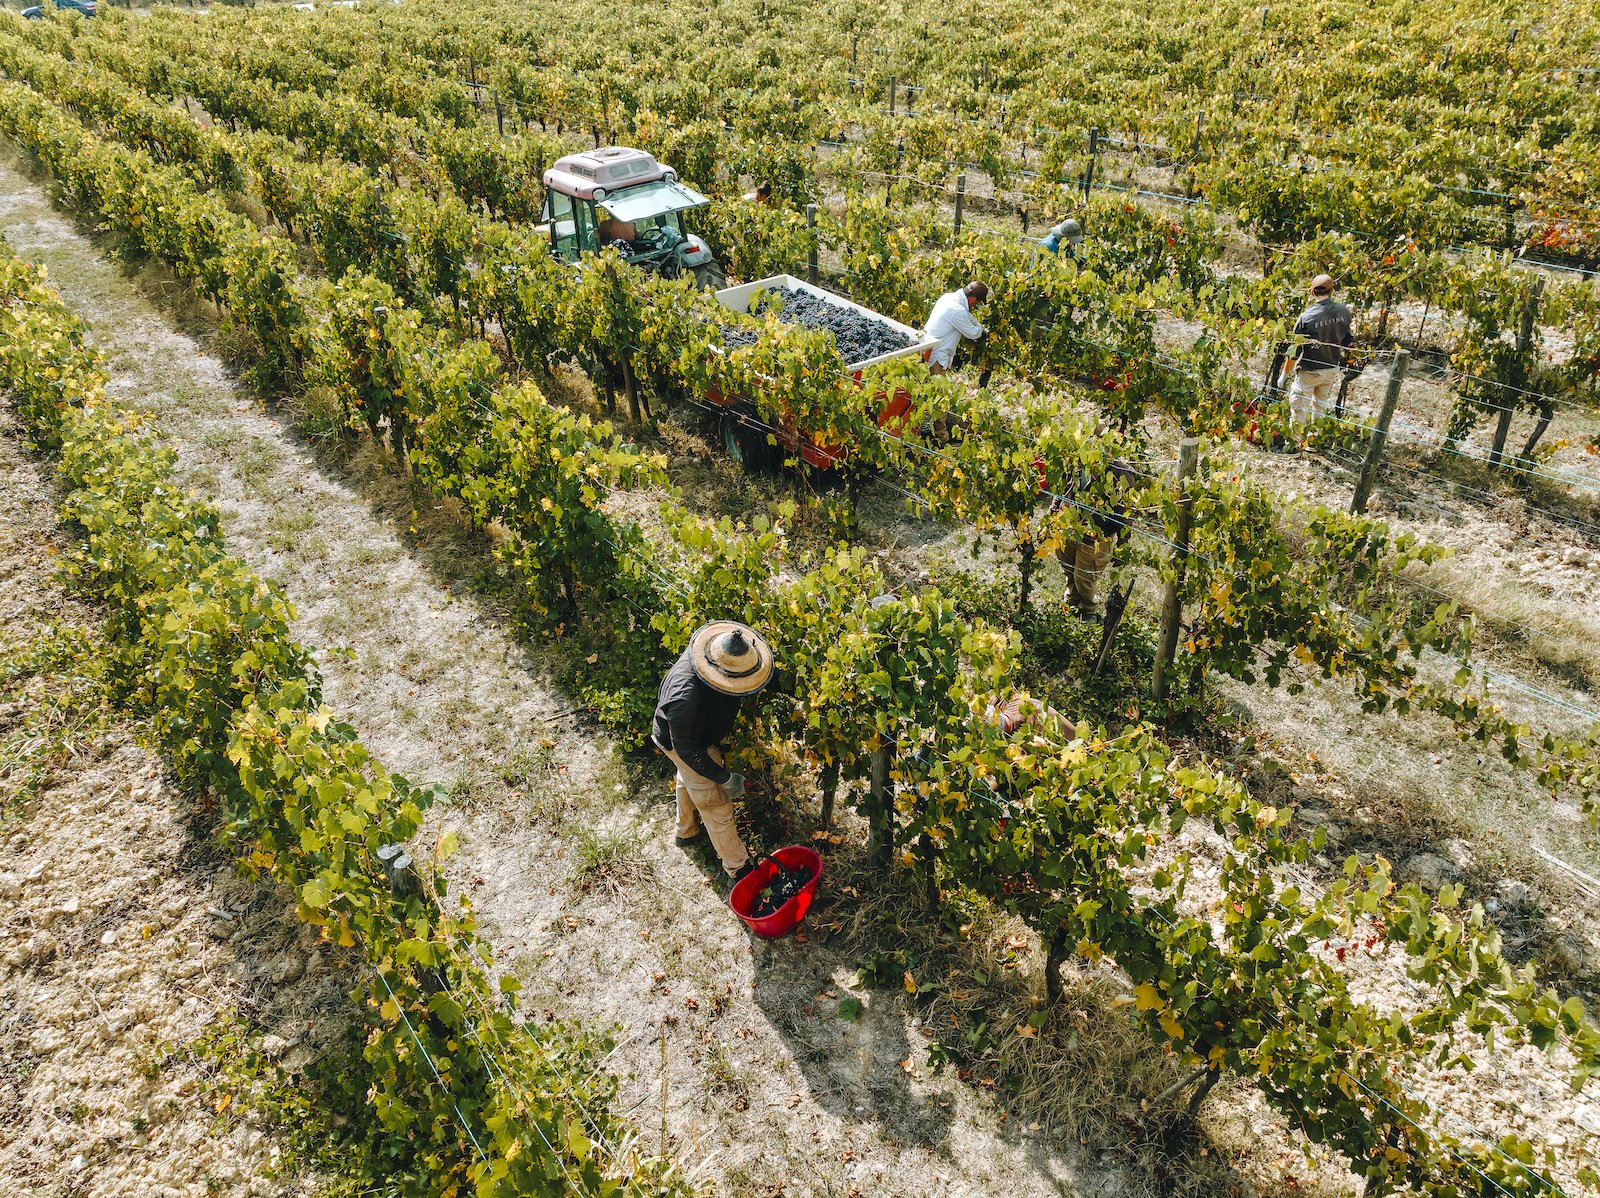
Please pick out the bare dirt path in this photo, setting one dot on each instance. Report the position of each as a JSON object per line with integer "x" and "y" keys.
{"x": 131, "y": 955}
{"x": 734, "y": 1051}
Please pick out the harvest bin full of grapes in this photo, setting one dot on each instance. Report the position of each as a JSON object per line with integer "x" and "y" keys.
{"x": 864, "y": 339}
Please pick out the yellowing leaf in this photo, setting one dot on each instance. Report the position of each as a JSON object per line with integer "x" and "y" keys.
{"x": 1147, "y": 997}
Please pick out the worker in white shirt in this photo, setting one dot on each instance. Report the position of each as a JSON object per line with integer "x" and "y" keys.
{"x": 951, "y": 320}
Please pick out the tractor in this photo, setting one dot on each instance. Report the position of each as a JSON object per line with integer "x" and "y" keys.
{"x": 624, "y": 198}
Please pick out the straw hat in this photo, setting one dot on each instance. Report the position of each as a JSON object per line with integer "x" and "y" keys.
{"x": 730, "y": 657}
{"x": 1069, "y": 230}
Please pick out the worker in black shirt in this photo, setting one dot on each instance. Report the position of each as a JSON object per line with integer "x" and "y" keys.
{"x": 725, "y": 664}
{"x": 1318, "y": 363}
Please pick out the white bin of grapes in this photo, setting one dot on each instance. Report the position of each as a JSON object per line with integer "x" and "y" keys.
{"x": 747, "y": 436}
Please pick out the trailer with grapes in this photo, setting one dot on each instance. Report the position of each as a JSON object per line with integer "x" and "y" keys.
{"x": 864, "y": 338}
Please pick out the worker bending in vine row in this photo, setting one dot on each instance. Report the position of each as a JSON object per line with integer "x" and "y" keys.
{"x": 725, "y": 664}
{"x": 951, "y": 320}
{"x": 1086, "y": 558}
{"x": 1068, "y": 237}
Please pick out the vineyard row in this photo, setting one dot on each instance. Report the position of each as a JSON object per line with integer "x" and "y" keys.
{"x": 1249, "y": 989}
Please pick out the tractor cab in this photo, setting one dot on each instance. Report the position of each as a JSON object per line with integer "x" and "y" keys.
{"x": 623, "y": 198}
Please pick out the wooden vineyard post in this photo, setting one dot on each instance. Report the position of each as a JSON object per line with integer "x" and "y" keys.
{"x": 1380, "y": 434}
{"x": 880, "y": 846}
{"x": 811, "y": 254}
{"x": 397, "y": 866}
{"x": 1508, "y": 399}
{"x": 1088, "y": 171}
{"x": 961, "y": 198}
{"x": 499, "y": 113}
{"x": 892, "y": 86}
{"x": 1167, "y": 646}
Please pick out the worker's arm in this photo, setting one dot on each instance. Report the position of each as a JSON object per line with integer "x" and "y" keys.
{"x": 683, "y": 721}
{"x": 966, "y": 324}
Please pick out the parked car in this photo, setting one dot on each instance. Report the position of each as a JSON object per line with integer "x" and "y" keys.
{"x": 86, "y": 7}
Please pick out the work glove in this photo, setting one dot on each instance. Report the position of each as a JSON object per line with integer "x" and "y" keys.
{"x": 734, "y": 786}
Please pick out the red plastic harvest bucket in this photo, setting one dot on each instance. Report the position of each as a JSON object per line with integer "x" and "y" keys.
{"x": 787, "y": 917}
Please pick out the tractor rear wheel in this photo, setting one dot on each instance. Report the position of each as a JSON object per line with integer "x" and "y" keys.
{"x": 710, "y": 276}
{"x": 746, "y": 443}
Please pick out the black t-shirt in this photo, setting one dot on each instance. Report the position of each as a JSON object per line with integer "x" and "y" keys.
{"x": 691, "y": 717}
{"x": 1326, "y": 325}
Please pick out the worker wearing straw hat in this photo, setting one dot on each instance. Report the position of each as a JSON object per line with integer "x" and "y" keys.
{"x": 725, "y": 664}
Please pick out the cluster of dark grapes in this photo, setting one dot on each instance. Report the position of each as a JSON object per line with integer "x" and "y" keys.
{"x": 783, "y": 887}
{"x": 858, "y": 335}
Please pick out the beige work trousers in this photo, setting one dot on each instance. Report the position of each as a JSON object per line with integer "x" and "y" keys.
{"x": 1312, "y": 389}
{"x": 700, "y": 800}
{"x": 1085, "y": 562}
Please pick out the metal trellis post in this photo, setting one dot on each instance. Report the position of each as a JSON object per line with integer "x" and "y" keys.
{"x": 1094, "y": 151}
{"x": 811, "y": 254}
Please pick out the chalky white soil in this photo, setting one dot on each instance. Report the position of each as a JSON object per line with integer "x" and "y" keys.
{"x": 123, "y": 941}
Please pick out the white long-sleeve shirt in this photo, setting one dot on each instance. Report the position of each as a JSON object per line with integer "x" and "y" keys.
{"x": 950, "y": 321}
